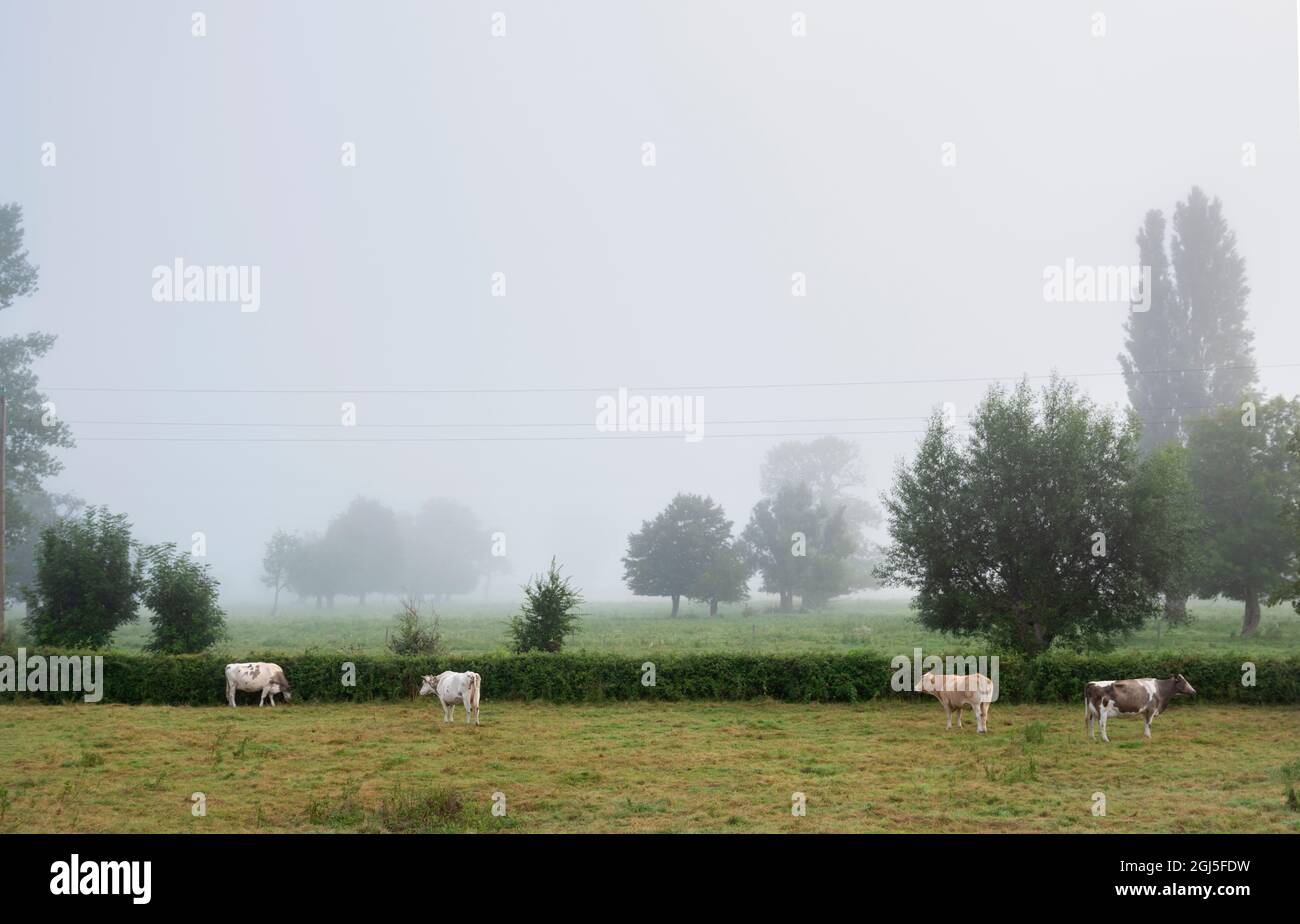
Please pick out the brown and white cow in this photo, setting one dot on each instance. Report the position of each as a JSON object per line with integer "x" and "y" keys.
{"x": 956, "y": 691}
{"x": 256, "y": 677}
{"x": 1146, "y": 697}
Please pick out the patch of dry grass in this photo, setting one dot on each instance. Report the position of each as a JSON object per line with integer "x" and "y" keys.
{"x": 879, "y": 767}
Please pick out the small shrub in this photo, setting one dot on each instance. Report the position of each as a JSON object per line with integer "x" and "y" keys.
{"x": 410, "y": 635}
{"x": 549, "y": 613}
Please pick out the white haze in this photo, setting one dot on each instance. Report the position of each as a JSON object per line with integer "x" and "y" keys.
{"x": 522, "y": 154}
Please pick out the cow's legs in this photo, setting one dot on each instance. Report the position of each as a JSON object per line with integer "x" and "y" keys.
{"x": 982, "y": 714}
{"x": 1089, "y": 721}
{"x": 262, "y": 700}
{"x": 947, "y": 711}
{"x": 1102, "y": 720}
{"x": 469, "y": 712}
{"x": 272, "y": 700}
{"x": 230, "y": 693}
{"x": 1147, "y": 716}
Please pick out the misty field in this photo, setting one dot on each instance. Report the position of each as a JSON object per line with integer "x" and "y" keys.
{"x": 644, "y": 628}
{"x": 641, "y": 767}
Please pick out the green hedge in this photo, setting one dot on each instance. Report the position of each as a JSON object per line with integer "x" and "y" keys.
{"x": 199, "y": 680}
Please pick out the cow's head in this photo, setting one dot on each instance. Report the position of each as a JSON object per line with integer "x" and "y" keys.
{"x": 430, "y": 684}
{"x": 281, "y": 685}
{"x": 927, "y": 684}
{"x": 1181, "y": 686}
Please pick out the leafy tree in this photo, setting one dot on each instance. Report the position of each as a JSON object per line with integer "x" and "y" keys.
{"x": 1290, "y": 590}
{"x": 410, "y": 635}
{"x": 724, "y": 577}
{"x": 1040, "y": 530}
{"x": 670, "y": 554}
{"x": 277, "y": 562}
{"x": 365, "y": 545}
{"x": 1165, "y": 499}
{"x": 549, "y": 613}
{"x": 33, "y": 430}
{"x": 182, "y": 594}
{"x": 88, "y": 578}
{"x": 1248, "y": 483}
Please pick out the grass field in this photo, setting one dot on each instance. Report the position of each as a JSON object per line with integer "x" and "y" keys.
{"x": 644, "y": 629}
{"x": 883, "y": 767}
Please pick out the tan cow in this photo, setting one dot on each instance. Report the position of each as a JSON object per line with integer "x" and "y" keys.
{"x": 955, "y": 691}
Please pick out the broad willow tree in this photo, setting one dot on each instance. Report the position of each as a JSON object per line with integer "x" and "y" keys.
{"x": 1044, "y": 526}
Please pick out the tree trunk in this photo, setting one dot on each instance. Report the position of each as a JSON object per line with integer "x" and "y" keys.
{"x": 1176, "y": 610}
{"x": 787, "y": 601}
{"x": 275, "y": 604}
{"x": 677, "y": 599}
{"x": 713, "y": 607}
{"x": 1250, "y": 620}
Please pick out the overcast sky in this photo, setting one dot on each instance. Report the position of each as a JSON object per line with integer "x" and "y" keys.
{"x": 523, "y": 154}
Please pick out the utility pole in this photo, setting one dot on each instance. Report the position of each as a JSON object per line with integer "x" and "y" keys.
{"x": 4, "y": 438}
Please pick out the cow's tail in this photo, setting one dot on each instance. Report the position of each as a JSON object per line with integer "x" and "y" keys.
{"x": 474, "y": 681}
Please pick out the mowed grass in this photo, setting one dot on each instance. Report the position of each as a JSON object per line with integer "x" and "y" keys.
{"x": 644, "y": 629}
{"x": 641, "y": 767}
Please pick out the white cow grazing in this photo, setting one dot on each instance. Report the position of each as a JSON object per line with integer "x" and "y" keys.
{"x": 453, "y": 688}
{"x": 256, "y": 677}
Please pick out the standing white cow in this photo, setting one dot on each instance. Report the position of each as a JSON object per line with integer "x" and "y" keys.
{"x": 256, "y": 677}
{"x": 453, "y": 688}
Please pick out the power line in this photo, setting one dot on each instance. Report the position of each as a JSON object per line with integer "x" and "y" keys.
{"x": 522, "y": 426}
{"x": 400, "y": 390}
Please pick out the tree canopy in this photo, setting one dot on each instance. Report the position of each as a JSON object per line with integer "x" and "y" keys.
{"x": 1042, "y": 529}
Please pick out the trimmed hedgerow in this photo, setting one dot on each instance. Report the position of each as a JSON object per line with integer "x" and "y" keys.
{"x": 199, "y": 680}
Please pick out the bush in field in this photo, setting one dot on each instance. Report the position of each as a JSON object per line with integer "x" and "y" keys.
{"x": 88, "y": 578}
{"x": 549, "y": 613}
{"x": 183, "y": 596}
{"x": 411, "y": 636}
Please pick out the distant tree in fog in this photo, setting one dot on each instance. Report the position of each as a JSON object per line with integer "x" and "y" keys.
{"x": 803, "y": 547}
{"x": 831, "y": 468}
{"x": 446, "y": 550}
{"x": 32, "y": 434}
{"x": 276, "y": 563}
{"x": 1191, "y": 352}
{"x": 368, "y": 547}
{"x": 724, "y": 577}
{"x": 671, "y": 555}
